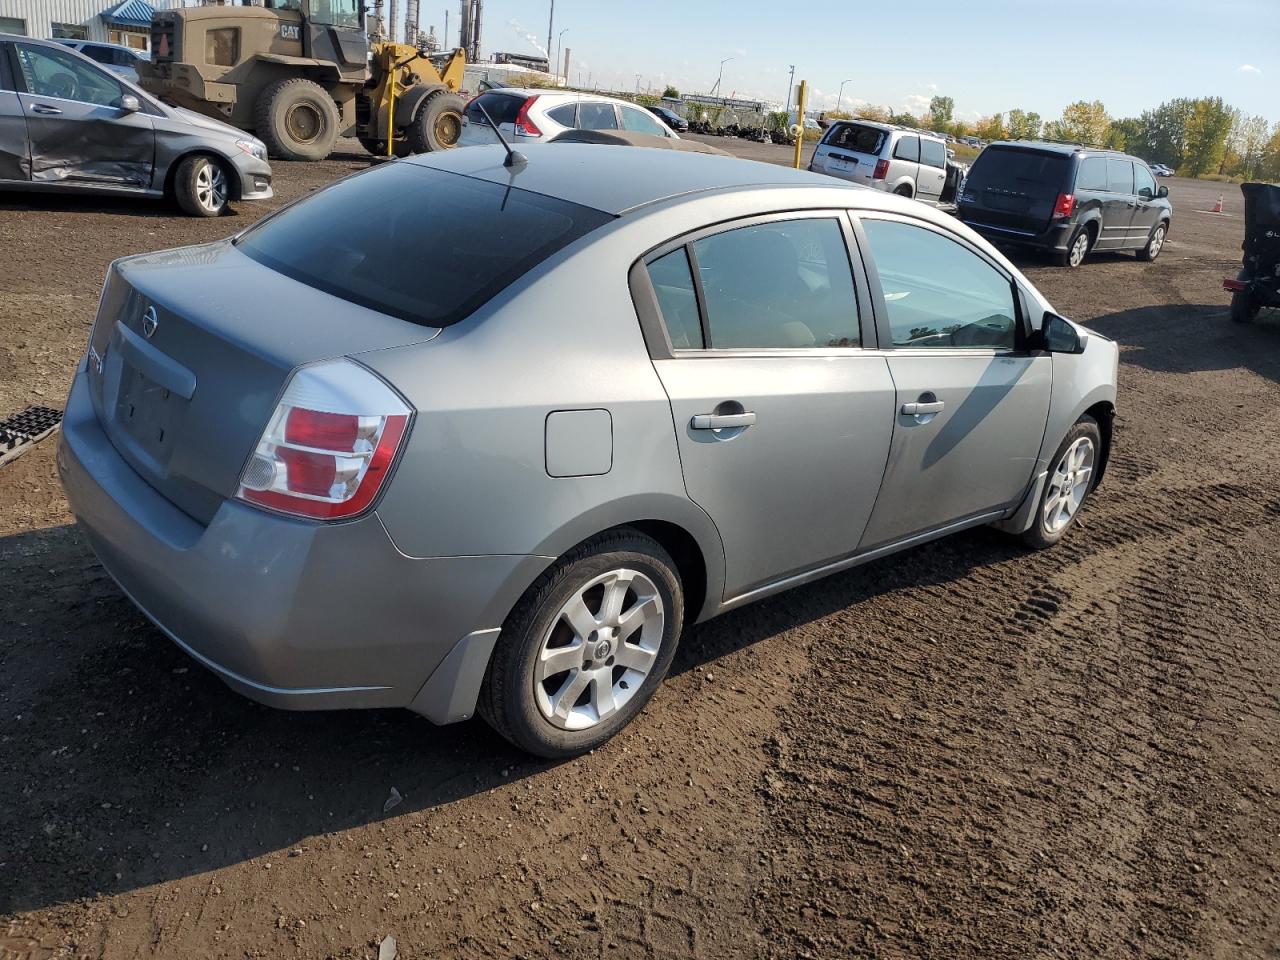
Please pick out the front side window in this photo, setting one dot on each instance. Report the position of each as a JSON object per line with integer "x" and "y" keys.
{"x": 781, "y": 284}
{"x": 933, "y": 153}
{"x": 1143, "y": 180}
{"x": 57, "y": 73}
{"x": 937, "y": 293}
{"x": 336, "y": 13}
{"x": 597, "y": 116}
{"x": 673, "y": 284}
{"x": 641, "y": 122}
{"x": 908, "y": 148}
{"x": 423, "y": 245}
{"x": 1120, "y": 176}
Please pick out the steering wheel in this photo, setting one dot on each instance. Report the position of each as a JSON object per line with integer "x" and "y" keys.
{"x": 62, "y": 85}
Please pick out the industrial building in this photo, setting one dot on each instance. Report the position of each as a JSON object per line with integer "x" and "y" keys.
{"x": 127, "y": 22}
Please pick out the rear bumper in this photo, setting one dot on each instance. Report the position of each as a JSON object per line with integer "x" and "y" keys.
{"x": 1056, "y": 237}
{"x": 293, "y": 614}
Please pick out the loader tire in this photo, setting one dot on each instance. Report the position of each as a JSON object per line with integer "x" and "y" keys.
{"x": 437, "y": 125}
{"x": 297, "y": 120}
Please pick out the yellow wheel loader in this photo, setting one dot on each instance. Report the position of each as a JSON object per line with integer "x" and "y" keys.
{"x": 301, "y": 73}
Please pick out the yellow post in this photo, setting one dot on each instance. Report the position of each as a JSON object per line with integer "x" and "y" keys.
{"x": 800, "y": 98}
{"x": 392, "y": 70}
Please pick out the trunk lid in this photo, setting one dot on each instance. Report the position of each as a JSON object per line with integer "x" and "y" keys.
{"x": 190, "y": 351}
{"x": 1014, "y": 188}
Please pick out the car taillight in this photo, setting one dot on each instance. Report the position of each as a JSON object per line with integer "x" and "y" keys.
{"x": 524, "y": 126}
{"x": 881, "y": 171}
{"x": 1234, "y": 286}
{"x": 329, "y": 444}
{"x": 1065, "y": 206}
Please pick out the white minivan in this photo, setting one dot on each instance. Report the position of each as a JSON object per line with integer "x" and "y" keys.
{"x": 533, "y": 116}
{"x": 911, "y": 163}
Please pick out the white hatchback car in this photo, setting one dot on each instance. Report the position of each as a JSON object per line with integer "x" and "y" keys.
{"x": 531, "y": 116}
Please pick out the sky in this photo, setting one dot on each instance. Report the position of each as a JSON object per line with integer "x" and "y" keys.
{"x": 988, "y": 55}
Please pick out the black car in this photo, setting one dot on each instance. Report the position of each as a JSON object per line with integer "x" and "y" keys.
{"x": 672, "y": 119}
{"x": 1067, "y": 199}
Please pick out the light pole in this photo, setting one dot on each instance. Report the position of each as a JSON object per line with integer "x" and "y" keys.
{"x": 840, "y": 94}
{"x": 720, "y": 75}
{"x": 637, "y": 83}
{"x": 560, "y": 36}
{"x": 791, "y": 81}
{"x": 551, "y": 20}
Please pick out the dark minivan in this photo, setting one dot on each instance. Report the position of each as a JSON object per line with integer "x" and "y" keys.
{"x": 1067, "y": 199}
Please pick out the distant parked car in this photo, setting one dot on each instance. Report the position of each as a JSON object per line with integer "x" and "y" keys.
{"x": 66, "y": 124}
{"x": 532, "y": 116}
{"x": 910, "y": 163}
{"x": 1066, "y": 199}
{"x": 501, "y": 464}
{"x": 670, "y": 118}
{"x": 115, "y": 57}
{"x": 1160, "y": 170}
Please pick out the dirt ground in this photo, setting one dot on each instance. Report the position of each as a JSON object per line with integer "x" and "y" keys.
{"x": 964, "y": 751}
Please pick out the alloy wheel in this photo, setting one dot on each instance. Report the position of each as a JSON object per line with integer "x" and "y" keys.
{"x": 1157, "y": 242}
{"x": 1079, "y": 248}
{"x": 599, "y": 649}
{"x": 1068, "y": 485}
{"x": 211, "y": 187}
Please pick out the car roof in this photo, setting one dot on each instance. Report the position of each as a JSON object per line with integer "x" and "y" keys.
{"x": 615, "y": 179}
{"x": 565, "y": 95}
{"x": 889, "y": 127}
{"x": 1065, "y": 149}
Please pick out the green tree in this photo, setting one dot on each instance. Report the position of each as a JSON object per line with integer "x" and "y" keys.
{"x": 1205, "y": 140}
{"x": 1023, "y": 125}
{"x": 904, "y": 120}
{"x": 671, "y": 93}
{"x": 942, "y": 109}
{"x": 1162, "y": 133}
{"x": 1125, "y": 134}
{"x": 1247, "y": 145}
{"x": 1084, "y": 122}
{"x": 1269, "y": 168}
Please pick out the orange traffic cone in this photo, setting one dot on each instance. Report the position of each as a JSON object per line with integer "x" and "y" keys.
{"x": 1217, "y": 207}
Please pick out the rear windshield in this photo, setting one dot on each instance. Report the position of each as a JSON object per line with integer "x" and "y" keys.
{"x": 1019, "y": 169}
{"x": 416, "y": 243}
{"x": 855, "y": 137}
{"x": 501, "y": 107}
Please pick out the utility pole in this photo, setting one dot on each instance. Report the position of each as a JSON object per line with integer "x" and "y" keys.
{"x": 790, "y": 83}
{"x": 556, "y": 63}
{"x": 720, "y": 75}
{"x": 840, "y": 94}
{"x": 637, "y": 83}
{"x": 445, "y": 45}
{"x": 550, "y": 26}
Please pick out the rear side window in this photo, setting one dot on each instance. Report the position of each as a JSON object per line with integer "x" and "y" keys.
{"x": 908, "y": 148}
{"x": 855, "y": 137}
{"x": 1019, "y": 168}
{"x": 502, "y": 107}
{"x": 1092, "y": 174}
{"x": 673, "y": 283}
{"x": 1120, "y": 176}
{"x": 597, "y": 116}
{"x": 564, "y": 115}
{"x": 423, "y": 245}
{"x": 933, "y": 152}
{"x": 781, "y": 284}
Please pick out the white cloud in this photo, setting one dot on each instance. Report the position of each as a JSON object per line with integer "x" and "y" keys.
{"x": 1248, "y": 68}
{"x": 916, "y": 103}
{"x": 738, "y": 52}
{"x": 932, "y": 86}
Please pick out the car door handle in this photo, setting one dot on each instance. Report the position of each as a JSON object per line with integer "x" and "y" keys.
{"x": 44, "y": 108}
{"x": 920, "y": 409}
{"x": 722, "y": 421}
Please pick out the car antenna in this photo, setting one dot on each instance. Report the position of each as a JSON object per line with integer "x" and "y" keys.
{"x": 514, "y": 159}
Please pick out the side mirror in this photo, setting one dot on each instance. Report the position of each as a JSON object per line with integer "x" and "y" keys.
{"x": 1161, "y": 192}
{"x": 129, "y": 103}
{"x": 1061, "y": 336}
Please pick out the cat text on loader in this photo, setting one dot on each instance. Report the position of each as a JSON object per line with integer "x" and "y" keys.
{"x": 301, "y": 73}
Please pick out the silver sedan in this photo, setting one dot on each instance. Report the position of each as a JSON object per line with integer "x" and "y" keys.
{"x": 496, "y": 443}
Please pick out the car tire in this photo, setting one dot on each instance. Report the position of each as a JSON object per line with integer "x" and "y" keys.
{"x": 1155, "y": 242}
{"x": 1244, "y": 309}
{"x": 1065, "y": 488}
{"x": 556, "y": 713}
{"x": 297, "y": 120}
{"x": 1078, "y": 248}
{"x": 904, "y": 190}
{"x": 437, "y": 125}
{"x": 202, "y": 187}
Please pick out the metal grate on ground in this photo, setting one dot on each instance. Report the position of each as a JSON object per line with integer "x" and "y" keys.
{"x": 24, "y": 430}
